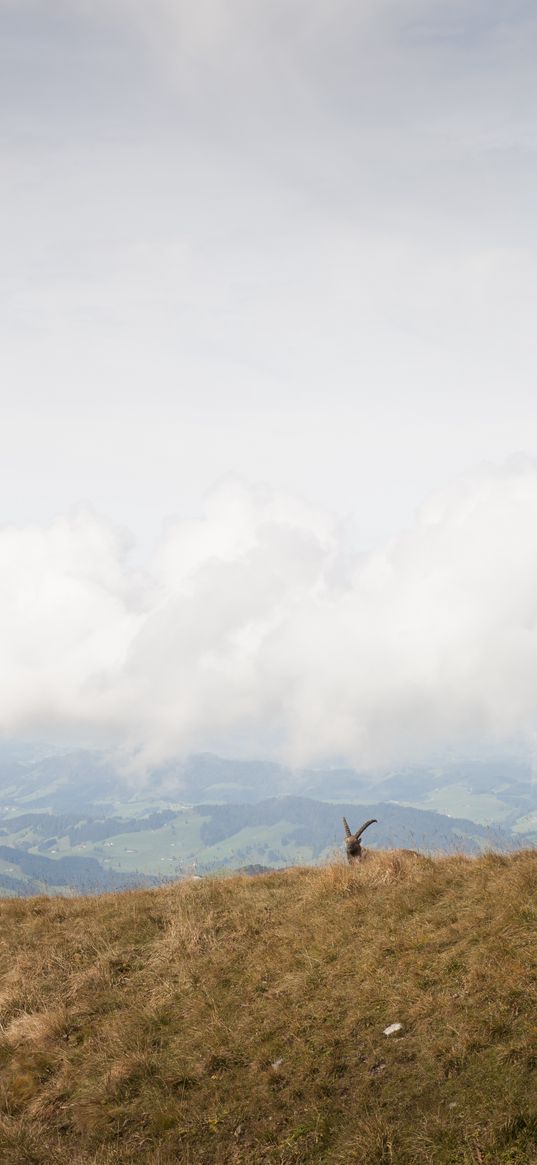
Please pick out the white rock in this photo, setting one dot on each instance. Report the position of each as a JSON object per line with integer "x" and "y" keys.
{"x": 393, "y": 1027}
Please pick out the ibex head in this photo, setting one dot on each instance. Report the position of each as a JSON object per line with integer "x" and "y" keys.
{"x": 355, "y": 853}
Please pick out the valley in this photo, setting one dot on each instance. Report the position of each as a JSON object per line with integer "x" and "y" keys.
{"x": 78, "y": 823}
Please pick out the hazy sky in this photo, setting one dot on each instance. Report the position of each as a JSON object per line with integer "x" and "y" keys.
{"x": 292, "y": 242}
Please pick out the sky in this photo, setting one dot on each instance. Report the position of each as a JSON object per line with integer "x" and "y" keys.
{"x": 268, "y": 291}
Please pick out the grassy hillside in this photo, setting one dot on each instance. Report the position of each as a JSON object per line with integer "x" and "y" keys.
{"x": 241, "y": 1020}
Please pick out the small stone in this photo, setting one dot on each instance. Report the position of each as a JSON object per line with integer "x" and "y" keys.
{"x": 393, "y": 1027}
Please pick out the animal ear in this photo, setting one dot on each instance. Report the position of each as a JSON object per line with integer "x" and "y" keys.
{"x": 346, "y": 828}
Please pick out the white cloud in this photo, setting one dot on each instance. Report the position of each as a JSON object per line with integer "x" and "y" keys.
{"x": 294, "y": 241}
{"x": 259, "y": 632}
{"x": 68, "y": 611}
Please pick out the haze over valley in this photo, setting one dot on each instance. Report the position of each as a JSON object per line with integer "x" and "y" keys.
{"x": 72, "y": 821}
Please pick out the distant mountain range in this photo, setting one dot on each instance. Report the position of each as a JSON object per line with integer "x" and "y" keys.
{"x": 499, "y": 789}
{"x": 74, "y": 820}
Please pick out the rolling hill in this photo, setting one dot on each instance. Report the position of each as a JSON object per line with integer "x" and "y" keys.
{"x": 79, "y": 822}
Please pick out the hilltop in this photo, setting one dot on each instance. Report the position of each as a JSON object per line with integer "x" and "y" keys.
{"x": 234, "y": 1020}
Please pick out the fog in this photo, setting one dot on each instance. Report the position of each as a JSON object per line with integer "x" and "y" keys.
{"x": 293, "y": 243}
{"x": 261, "y": 629}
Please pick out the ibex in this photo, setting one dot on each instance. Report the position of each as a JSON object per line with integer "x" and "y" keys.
{"x": 355, "y": 853}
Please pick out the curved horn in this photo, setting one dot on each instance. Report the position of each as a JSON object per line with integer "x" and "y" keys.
{"x": 346, "y": 828}
{"x": 372, "y": 821}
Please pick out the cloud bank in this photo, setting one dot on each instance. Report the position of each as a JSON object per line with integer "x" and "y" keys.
{"x": 260, "y": 630}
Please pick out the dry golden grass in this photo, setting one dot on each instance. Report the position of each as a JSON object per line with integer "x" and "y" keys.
{"x": 241, "y": 1020}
